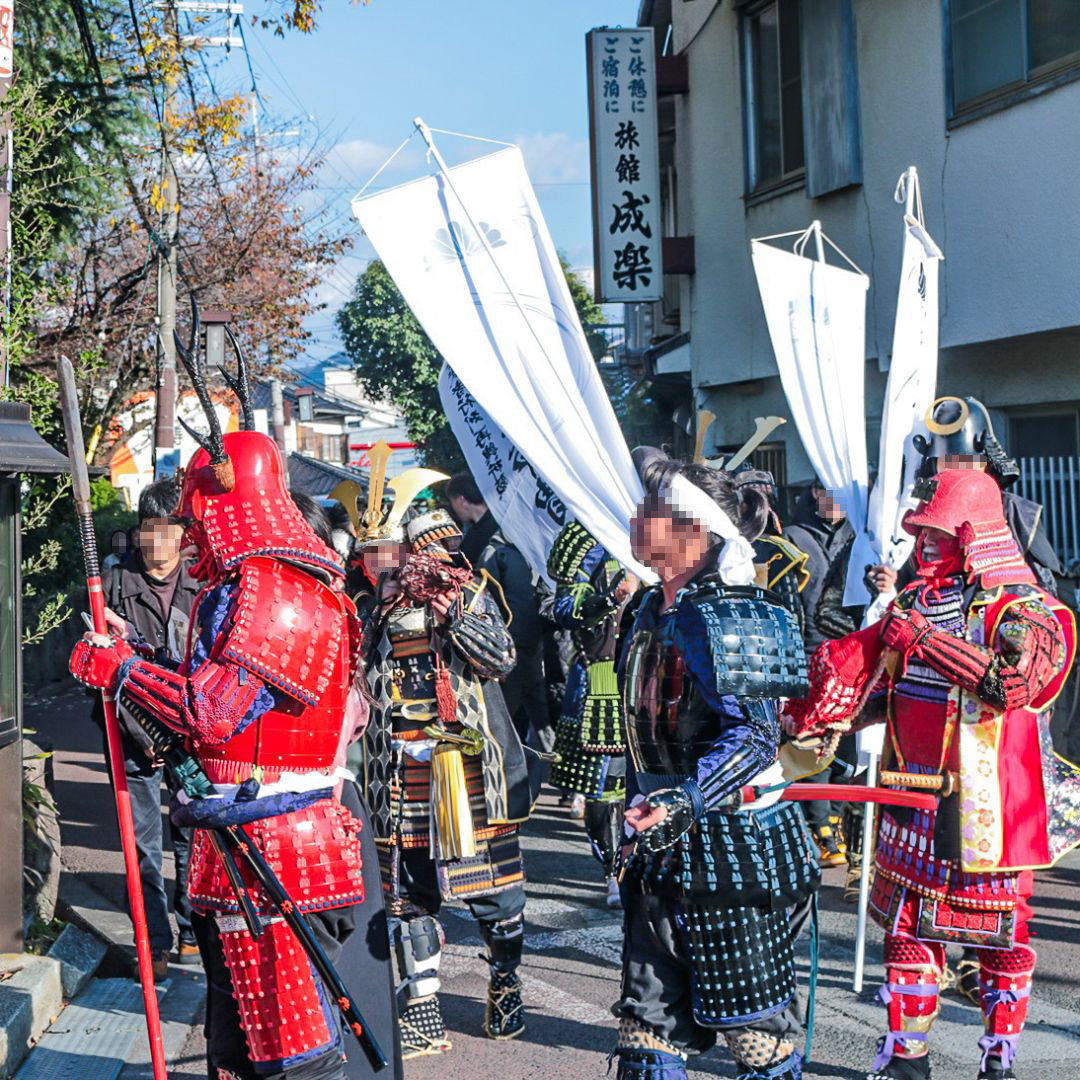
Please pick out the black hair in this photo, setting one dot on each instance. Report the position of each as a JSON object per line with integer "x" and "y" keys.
{"x": 314, "y": 515}
{"x": 339, "y": 518}
{"x": 747, "y": 507}
{"x": 159, "y": 500}
{"x": 464, "y": 485}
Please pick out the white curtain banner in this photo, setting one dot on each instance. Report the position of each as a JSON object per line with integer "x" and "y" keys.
{"x": 908, "y": 394}
{"x": 472, "y": 256}
{"x": 816, "y": 314}
{"x": 524, "y": 504}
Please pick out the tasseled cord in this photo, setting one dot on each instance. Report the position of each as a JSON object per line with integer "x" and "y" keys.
{"x": 451, "y": 816}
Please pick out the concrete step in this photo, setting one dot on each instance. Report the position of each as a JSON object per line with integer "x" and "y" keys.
{"x": 102, "y": 1033}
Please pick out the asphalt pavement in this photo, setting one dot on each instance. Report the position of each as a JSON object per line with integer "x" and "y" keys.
{"x": 573, "y": 948}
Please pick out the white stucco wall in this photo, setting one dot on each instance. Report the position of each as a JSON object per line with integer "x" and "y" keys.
{"x": 1000, "y": 193}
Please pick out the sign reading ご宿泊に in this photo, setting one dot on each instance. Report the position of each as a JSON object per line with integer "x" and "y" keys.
{"x": 625, "y": 165}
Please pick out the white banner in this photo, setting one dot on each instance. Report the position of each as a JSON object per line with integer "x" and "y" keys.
{"x": 908, "y": 394}
{"x": 816, "y": 314}
{"x": 472, "y": 256}
{"x": 7, "y": 38}
{"x": 625, "y": 145}
{"x": 524, "y": 504}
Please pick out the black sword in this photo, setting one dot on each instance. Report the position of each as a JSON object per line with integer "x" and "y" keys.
{"x": 233, "y": 842}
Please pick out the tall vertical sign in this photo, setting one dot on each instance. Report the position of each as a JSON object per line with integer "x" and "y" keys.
{"x": 625, "y": 152}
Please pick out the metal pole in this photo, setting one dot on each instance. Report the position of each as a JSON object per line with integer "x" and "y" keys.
{"x": 8, "y": 32}
{"x": 255, "y": 130}
{"x": 864, "y": 879}
{"x": 165, "y": 425}
{"x": 819, "y": 246}
{"x": 277, "y": 414}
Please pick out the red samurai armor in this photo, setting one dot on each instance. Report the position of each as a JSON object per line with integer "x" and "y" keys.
{"x": 966, "y": 665}
{"x": 261, "y": 696}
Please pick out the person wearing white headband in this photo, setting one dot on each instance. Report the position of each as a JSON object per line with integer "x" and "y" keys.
{"x": 718, "y": 875}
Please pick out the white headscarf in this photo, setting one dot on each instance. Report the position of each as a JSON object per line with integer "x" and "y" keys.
{"x": 735, "y": 564}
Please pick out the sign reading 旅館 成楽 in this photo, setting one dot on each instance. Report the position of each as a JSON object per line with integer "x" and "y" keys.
{"x": 625, "y": 164}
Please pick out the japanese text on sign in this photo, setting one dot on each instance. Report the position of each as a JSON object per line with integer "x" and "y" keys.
{"x": 625, "y": 164}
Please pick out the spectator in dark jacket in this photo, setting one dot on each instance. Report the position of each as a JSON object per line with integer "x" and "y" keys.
{"x": 487, "y": 549}
{"x": 150, "y": 597}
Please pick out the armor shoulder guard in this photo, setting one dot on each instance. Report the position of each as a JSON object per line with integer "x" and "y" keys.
{"x": 568, "y": 552}
{"x": 288, "y": 628}
{"x": 754, "y": 641}
{"x": 781, "y": 559}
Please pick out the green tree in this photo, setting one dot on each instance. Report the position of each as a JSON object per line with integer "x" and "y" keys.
{"x": 396, "y": 362}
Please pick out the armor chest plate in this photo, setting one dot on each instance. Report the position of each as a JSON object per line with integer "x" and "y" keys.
{"x": 669, "y": 725}
{"x": 411, "y": 656}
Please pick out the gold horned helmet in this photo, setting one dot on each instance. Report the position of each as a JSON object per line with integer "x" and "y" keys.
{"x": 376, "y": 526}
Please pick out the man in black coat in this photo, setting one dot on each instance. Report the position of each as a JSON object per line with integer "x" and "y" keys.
{"x": 150, "y": 596}
{"x": 487, "y": 549}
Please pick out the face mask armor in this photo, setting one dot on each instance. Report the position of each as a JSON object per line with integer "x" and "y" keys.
{"x": 967, "y": 505}
{"x": 962, "y": 427}
{"x": 234, "y": 498}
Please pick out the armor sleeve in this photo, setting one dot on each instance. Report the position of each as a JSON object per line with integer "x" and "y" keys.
{"x": 843, "y": 674}
{"x": 749, "y": 741}
{"x": 569, "y": 597}
{"x": 216, "y": 699}
{"x": 1029, "y": 652}
{"x": 480, "y": 636}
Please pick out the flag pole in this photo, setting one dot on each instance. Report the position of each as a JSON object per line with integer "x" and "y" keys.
{"x": 864, "y": 877}
{"x": 425, "y": 133}
{"x": 80, "y": 484}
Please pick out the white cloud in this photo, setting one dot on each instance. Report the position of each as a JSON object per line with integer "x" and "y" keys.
{"x": 356, "y": 161}
{"x": 555, "y": 158}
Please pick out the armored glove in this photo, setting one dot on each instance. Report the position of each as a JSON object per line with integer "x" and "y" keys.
{"x": 597, "y": 607}
{"x": 904, "y": 630}
{"x": 680, "y": 816}
{"x": 97, "y": 665}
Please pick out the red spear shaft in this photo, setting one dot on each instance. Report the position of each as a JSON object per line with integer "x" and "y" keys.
{"x": 80, "y": 483}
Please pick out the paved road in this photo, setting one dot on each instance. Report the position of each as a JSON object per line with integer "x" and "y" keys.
{"x": 573, "y": 946}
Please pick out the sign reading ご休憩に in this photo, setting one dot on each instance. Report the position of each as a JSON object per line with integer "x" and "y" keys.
{"x": 627, "y": 246}
{"x": 7, "y": 38}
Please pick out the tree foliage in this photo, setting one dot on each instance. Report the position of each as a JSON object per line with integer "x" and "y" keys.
{"x": 396, "y": 361}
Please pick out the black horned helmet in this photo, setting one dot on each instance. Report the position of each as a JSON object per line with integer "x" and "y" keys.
{"x": 962, "y": 426}
{"x": 190, "y": 355}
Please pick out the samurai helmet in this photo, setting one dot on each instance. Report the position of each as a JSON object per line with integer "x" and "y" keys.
{"x": 379, "y": 526}
{"x": 967, "y": 504}
{"x": 434, "y": 533}
{"x": 962, "y": 427}
{"x": 234, "y": 497}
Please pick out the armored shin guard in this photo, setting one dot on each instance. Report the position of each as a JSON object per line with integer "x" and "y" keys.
{"x": 910, "y": 994}
{"x": 761, "y": 1056}
{"x": 1004, "y": 991}
{"x": 287, "y": 1017}
{"x": 504, "y": 1017}
{"x": 643, "y": 1056}
{"x": 603, "y": 825}
{"x": 418, "y": 943}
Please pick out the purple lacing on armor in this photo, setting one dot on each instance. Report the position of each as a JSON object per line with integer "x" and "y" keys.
{"x": 1003, "y": 1046}
{"x": 885, "y": 994}
{"x": 647, "y": 1064}
{"x": 888, "y": 1045}
{"x": 993, "y": 996}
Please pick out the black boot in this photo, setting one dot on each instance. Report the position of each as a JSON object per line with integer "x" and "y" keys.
{"x": 504, "y": 1016}
{"x": 996, "y": 1069}
{"x": 899, "y": 1067}
{"x": 643, "y": 1064}
{"x": 423, "y": 1033}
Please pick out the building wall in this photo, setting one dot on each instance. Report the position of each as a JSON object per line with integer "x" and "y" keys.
{"x": 999, "y": 194}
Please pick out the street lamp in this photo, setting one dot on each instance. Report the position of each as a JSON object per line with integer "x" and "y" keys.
{"x": 22, "y": 452}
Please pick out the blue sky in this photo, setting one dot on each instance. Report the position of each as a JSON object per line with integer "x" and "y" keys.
{"x": 512, "y": 70}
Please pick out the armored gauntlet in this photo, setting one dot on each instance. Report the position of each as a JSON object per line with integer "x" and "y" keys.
{"x": 680, "y": 816}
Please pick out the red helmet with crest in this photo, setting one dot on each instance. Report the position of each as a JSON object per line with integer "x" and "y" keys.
{"x": 234, "y": 497}
{"x": 966, "y": 503}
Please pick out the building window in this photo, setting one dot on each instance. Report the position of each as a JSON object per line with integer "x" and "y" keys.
{"x": 773, "y": 89}
{"x": 1044, "y": 434}
{"x": 1000, "y": 46}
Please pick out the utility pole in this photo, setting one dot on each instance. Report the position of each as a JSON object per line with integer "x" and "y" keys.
{"x": 277, "y": 422}
{"x": 166, "y": 460}
{"x": 166, "y": 456}
{"x": 7, "y": 46}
